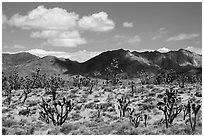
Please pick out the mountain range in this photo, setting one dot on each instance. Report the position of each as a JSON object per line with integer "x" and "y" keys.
{"x": 130, "y": 62}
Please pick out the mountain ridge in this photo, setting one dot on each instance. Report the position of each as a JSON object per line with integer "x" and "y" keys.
{"x": 130, "y": 62}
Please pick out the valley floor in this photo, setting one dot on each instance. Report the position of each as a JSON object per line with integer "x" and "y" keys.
{"x": 83, "y": 118}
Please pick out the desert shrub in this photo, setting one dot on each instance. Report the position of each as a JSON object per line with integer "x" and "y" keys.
{"x": 8, "y": 122}
{"x": 96, "y": 100}
{"x": 150, "y": 86}
{"x": 159, "y": 122}
{"x": 24, "y": 112}
{"x": 181, "y": 92}
{"x": 107, "y": 89}
{"x": 54, "y": 131}
{"x": 160, "y": 95}
{"x": 78, "y": 107}
{"x": 123, "y": 129}
{"x": 198, "y": 94}
{"x": 149, "y": 100}
{"x": 30, "y": 130}
{"x": 4, "y": 131}
{"x": 198, "y": 101}
{"x": 75, "y": 116}
{"x": 89, "y": 105}
{"x": 72, "y": 96}
{"x": 106, "y": 106}
{"x": 32, "y": 103}
{"x": 147, "y": 107}
{"x": 73, "y": 91}
{"x": 152, "y": 94}
{"x": 5, "y": 110}
{"x": 67, "y": 128}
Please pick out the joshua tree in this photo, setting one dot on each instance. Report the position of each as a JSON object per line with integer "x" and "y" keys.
{"x": 144, "y": 78}
{"x": 112, "y": 71}
{"x": 123, "y": 104}
{"x": 181, "y": 80}
{"x": 96, "y": 74}
{"x": 99, "y": 107}
{"x": 91, "y": 87}
{"x": 55, "y": 111}
{"x": 191, "y": 109}
{"x": 132, "y": 88}
{"x": 27, "y": 88}
{"x": 135, "y": 120}
{"x": 145, "y": 120}
{"x": 169, "y": 106}
{"x": 77, "y": 81}
{"x": 9, "y": 84}
{"x": 53, "y": 84}
{"x": 133, "y": 117}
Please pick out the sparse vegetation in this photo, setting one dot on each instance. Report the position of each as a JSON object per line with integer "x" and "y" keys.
{"x": 46, "y": 108}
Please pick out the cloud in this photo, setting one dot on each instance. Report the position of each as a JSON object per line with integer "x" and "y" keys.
{"x": 19, "y": 46}
{"x": 43, "y": 18}
{"x": 4, "y": 19}
{"x": 159, "y": 33}
{"x": 60, "y": 38}
{"x": 5, "y": 47}
{"x": 79, "y": 56}
{"x": 134, "y": 39}
{"x": 66, "y": 42}
{"x": 55, "y": 34}
{"x": 128, "y": 24}
{"x": 120, "y": 37}
{"x": 96, "y": 22}
{"x": 16, "y": 46}
{"x": 60, "y": 27}
{"x": 196, "y": 50}
{"x": 183, "y": 37}
{"x": 163, "y": 50}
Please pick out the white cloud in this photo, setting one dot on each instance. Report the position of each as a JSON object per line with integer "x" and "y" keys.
{"x": 144, "y": 50}
{"x": 55, "y": 34}
{"x": 134, "y": 39}
{"x": 96, "y": 22}
{"x": 120, "y": 37}
{"x": 79, "y": 56}
{"x": 183, "y": 37}
{"x": 163, "y": 50}
{"x": 128, "y": 24}
{"x": 60, "y": 27}
{"x": 159, "y": 33}
{"x": 66, "y": 42}
{"x": 43, "y": 18}
{"x": 196, "y": 50}
{"x": 18, "y": 46}
{"x": 5, "y": 47}
{"x": 4, "y": 19}
{"x": 60, "y": 38}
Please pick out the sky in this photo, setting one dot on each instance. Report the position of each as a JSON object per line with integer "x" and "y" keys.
{"x": 82, "y": 30}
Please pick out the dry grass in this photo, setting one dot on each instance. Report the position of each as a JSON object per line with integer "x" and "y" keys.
{"x": 83, "y": 118}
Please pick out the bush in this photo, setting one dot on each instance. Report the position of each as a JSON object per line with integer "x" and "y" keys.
{"x": 160, "y": 95}
{"x": 8, "y": 122}
{"x": 4, "y": 131}
{"x": 67, "y": 128}
{"x": 198, "y": 94}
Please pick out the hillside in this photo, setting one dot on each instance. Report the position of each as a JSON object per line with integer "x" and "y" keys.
{"x": 129, "y": 62}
